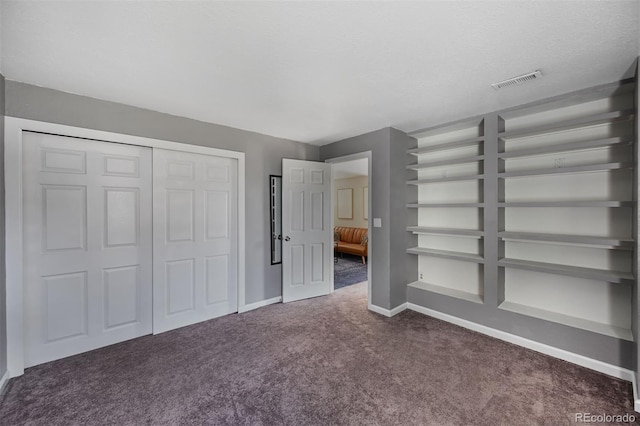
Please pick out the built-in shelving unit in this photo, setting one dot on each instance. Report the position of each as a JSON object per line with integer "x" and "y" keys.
{"x": 450, "y": 172}
{"x": 582, "y": 156}
{"x": 533, "y": 207}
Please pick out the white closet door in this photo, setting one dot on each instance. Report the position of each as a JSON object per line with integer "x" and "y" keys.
{"x": 195, "y": 238}
{"x": 87, "y": 245}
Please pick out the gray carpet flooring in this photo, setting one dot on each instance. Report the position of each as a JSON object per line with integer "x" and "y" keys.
{"x": 348, "y": 270}
{"x": 325, "y": 361}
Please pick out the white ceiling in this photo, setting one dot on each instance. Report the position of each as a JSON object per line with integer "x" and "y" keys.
{"x": 349, "y": 169}
{"x": 317, "y": 71}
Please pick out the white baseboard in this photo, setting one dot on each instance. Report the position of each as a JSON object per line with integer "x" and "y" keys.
{"x": 593, "y": 364}
{"x": 3, "y": 381}
{"x": 636, "y": 397}
{"x": 388, "y": 312}
{"x": 260, "y": 304}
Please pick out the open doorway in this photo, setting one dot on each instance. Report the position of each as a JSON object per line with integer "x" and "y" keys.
{"x": 350, "y": 214}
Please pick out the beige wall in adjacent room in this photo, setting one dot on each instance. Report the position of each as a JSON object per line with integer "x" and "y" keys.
{"x": 357, "y": 184}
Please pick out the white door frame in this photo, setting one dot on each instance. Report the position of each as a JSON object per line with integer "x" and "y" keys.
{"x": 344, "y": 159}
{"x": 14, "y": 127}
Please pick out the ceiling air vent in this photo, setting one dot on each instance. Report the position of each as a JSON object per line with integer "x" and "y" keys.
{"x": 524, "y": 78}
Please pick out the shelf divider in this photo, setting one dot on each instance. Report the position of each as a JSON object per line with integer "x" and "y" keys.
{"x": 446, "y": 179}
{"x": 565, "y": 147}
{"x": 570, "y": 271}
{"x": 451, "y": 292}
{"x": 571, "y": 321}
{"x": 449, "y": 162}
{"x": 618, "y": 243}
{"x": 585, "y": 203}
{"x": 445, "y": 146}
{"x": 445, "y": 231}
{"x": 436, "y": 205}
{"x": 572, "y": 169}
{"x": 592, "y": 120}
{"x": 446, "y": 254}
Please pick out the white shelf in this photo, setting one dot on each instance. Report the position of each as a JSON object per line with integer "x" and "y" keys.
{"x": 446, "y": 231}
{"x": 446, "y": 146}
{"x": 587, "y": 203}
{"x": 446, "y": 254}
{"x": 606, "y": 242}
{"x": 592, "y": 120}
{"x": 566, "y": 147}
{"x": 561, "y": 170}
{"x": 571, "y": 321}
{"x": 445, "y": 179}
{"x": 434, "y": 205}
{"x": 450, "y": 162}
{"x": 570, "y": 271}
{"x": 451, "y": 292}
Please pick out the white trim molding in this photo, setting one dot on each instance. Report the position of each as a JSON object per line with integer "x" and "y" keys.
{"x": 14, "y": 127}
{"x": 357, "y": 156}
{"x": 4, "y": 380}
{"x": 636, "y": 397}
{"x": 388, "y": 312}
{"x": 260, "y": 304}
{"x": 593, "y": 364}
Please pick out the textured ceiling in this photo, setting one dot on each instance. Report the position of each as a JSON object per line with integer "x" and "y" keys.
{"x": 317, "y": 71}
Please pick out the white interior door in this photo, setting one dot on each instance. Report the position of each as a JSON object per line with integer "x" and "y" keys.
{"x": 307, "y": 247}
{"x": 87, "y": 245}
{"x": 195, "y": 238}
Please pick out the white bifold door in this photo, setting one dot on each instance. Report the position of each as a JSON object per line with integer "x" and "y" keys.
{"x": 195, "y": 239}
{"x": 307, "y": 247}
{"x": 87, "y": 245}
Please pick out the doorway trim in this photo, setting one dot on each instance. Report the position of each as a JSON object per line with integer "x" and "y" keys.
{"x": 343, "y": 159}
{"x": 14, "y": 300}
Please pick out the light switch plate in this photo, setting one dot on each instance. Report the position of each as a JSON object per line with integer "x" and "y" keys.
{"x": 377, "y": 222}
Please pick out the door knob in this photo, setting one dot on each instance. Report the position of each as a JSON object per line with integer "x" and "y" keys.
{"x": 287, "y": 238}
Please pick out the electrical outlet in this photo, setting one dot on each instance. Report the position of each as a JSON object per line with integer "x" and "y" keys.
{"x": 558, "y": 163}
{"x": 420, "y": 276}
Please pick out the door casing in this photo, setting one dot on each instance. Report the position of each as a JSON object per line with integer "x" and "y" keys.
{"x": 344, "y": 159}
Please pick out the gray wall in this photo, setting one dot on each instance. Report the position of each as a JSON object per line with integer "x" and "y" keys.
{"x": 404, "y": 267}
{"x": 263, "y": 157}
{"x": 391, "y": 267}
{"x": 636, "y": 260}
{"x": 3, "y": 306}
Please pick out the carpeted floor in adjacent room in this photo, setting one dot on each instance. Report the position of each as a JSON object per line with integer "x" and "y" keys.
{"x": 348, "y": 270}
{"x": 324, "y": 361}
